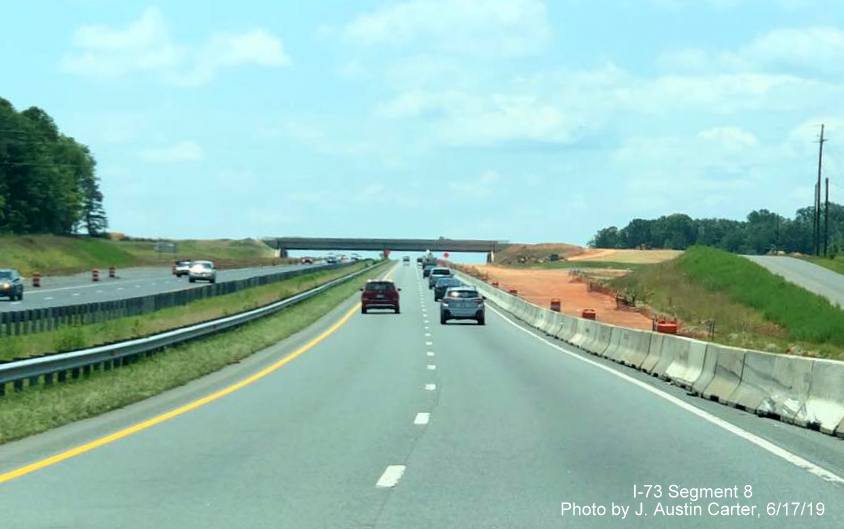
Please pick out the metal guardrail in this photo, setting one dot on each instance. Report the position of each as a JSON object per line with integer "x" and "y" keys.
{"x": 56, "y": 367}
{"x": 26, "y": 321}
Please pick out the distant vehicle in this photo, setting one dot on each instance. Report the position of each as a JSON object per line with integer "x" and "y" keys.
{"x": 436, "y": 273}
{"x": 426, "y": 269}
{"x": 356, "y": 257}
{"x": 307, "y": 260}
{"x": 331, "y": 259}
{"x": 419, "y": 261}
{"x": 462, "y": 303}
{"x": 443, "y": 284}
{"x": 182, "y": 267}
{"x": 379, "y": 294}
{"x": 406, "y": 260}
{"x": 554, "y": 257}
{"x": 202, "y": 271}
{"x": 11, "y": 284}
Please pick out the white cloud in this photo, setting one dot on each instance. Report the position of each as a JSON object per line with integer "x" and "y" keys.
{"x": 489, "y": 28}
{"x": 184, "y": 151}
{"x": 729, "y": 137}
{"x": 817, "y": 49}
{"x": 145, "y": 46}
{"x": 481, "y": 186}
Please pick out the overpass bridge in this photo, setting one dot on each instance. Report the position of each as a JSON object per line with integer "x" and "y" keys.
{"x": 284, "y": 244}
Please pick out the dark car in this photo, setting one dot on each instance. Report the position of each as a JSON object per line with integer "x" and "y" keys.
{"x": 443, "y": 284}
{"x": 11, "y": 284}
{"x": 379, "y": 294}
{"x": 427, "y": 267}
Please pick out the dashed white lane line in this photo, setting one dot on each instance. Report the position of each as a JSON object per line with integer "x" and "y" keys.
{"x": 422, "y": 418}
{"x": 76, "y": 293}
{"x": 429, "y": 343}
{"x": 120, "y": 288}
{"x": 48, "y": 298}
{"x": 432, "y": 367}
{"x": 99, "y": 292}
{"x": 430, "y": 387}
{"x": 426, "y": 321}
{"x": 430, "y": 353}
{"x": 427, "y": 334}
{"x": 390, "y": 477}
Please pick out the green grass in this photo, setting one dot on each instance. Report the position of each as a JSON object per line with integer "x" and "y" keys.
{"x": 80, "y": 336}
{"x": 50, "y": 254}
{"x": 751, "y": 307}
{"x": 42, "y": 408}
{"x": 836, "y": 265}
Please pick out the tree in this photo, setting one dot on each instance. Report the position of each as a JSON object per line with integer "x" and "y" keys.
{"x": 47, "y": 180}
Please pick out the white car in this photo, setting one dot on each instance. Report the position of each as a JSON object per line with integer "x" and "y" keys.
{"x": 202, "y": 270}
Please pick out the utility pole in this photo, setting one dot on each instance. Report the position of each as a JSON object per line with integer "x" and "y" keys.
{"x": 818, "y": 196}
{"x": 826, "y": 221}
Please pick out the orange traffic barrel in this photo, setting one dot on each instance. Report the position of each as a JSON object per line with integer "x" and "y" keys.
{"x": 667, "y": 327}
{"x": 555, "y": 305}
{"x": 112, "y": 272}
{"x": 589, "y": 314}
{"x": 36, "y": 279}
{"x": 95, "y": 275}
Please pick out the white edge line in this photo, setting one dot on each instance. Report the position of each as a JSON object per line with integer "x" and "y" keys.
{"x": 391, "y": 476}
{"x": 778, "y": 451}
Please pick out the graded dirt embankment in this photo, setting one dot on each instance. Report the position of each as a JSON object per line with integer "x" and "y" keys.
{"x": 539, "y": 286}
{"x": 626, "y": 256}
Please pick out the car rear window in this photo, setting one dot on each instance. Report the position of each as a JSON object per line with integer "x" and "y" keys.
{"x": 463, "y": 294}
{"x": 441, "y": 271}
{"x": 380, "y": 286}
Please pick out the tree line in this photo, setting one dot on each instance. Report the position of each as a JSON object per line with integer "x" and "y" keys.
{"x": 762, "y": 232}
{"x": 48, "y": 182}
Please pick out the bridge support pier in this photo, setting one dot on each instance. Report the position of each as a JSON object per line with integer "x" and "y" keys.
{"x": 490, "y": 257}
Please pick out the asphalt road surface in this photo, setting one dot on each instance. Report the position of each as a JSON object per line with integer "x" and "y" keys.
{"x": 130, "y": 282}
{"x": 394, "y": 421}
{"x": 810, "y": 276}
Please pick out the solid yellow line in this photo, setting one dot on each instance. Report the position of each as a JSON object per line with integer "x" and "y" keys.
{"x": 149, "y": 423}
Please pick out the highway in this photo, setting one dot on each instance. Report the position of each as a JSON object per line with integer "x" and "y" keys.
{"x": 810, "y": 276}
{"x": 394, "y": 421}
{"x": 130, "y": 282}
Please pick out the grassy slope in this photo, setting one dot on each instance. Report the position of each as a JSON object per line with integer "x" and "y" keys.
{"x": 751, "y": 306}
{"x": 836, "y": 265}
{"x": 39, "y": 409}
{"x": 50, "y": 254}
{"x": 81, "y": 336}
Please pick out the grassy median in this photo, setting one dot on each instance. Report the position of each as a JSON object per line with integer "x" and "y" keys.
{"x": 81, "y": 336}
{"x": 751, "y": 307}
{"x": 52, "y": 254}
{"x": 42, "y": 408}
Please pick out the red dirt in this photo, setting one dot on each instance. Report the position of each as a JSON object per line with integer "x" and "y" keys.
{"x": 539, "y": 286}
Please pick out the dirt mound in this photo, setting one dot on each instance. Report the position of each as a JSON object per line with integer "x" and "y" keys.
{"x": 626, "y": 256}
{"x": 536, "y": 253}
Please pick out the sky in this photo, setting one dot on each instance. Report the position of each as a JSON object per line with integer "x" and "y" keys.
{"x": 517, "y": 120}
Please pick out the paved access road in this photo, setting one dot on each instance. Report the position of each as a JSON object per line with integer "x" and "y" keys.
{"x": 394, "y": 421}
{"x": 130, "y": 282}
{"x": 810, "y": 276}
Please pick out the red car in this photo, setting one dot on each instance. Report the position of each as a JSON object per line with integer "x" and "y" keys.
{"x": 379, "y": 294}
